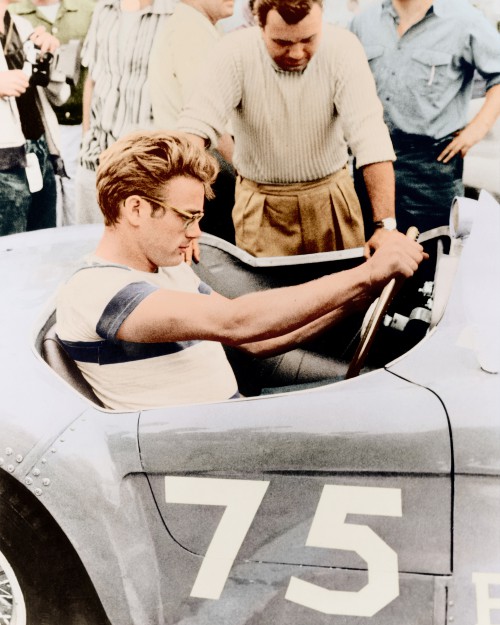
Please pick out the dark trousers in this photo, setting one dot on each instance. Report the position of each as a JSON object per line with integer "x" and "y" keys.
{"x": 21, "y": 210}
{"x": 425, "y": 188}
{"x": 218, "y": 211}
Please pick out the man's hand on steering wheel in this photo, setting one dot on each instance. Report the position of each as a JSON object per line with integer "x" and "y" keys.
{"x": 379, "y": 238}
{"x": 397, "y": 256}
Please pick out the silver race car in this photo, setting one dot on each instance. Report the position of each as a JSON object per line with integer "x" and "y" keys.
{"x": 323, "y": 497}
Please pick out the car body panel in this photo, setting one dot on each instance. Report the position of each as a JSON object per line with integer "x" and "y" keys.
{"x": 467, "y": 336}
{"x": 474, "y": 594}
{"x": 423, "y": 434}
{"x": 301, "y": 441}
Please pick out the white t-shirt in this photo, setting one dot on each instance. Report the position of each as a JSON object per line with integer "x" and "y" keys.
{"x": 91, "y": 307}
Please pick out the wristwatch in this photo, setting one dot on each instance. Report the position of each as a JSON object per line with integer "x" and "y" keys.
{"x": 388, "y": 223}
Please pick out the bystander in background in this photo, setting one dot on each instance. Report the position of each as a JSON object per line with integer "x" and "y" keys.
{"x": 68, "y": 20}
{"x": 180, "y": 47}
{"x": 29, "y": 153}
{"x": 297, "y": 94}
{"x": 116, "y": 93}
{"x": 423, "y": 55}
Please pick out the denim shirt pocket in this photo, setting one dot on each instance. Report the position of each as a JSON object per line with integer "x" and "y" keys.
{"x": 430, "y": 71}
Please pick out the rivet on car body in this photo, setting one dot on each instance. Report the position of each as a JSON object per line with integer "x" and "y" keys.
{"x": 46, "y": 481}
{"x": 10, "y": 468}
{"x": 19, "y": 458}
{"x": 9, "y": 451}
{"x": 38, "y": 492}
{"x": 62, "y": 440}
{"x": 28, "y": 481}
{"x": 36, "y": 471}
{"x": 44, "y": 460}
{"x": 53, "y": 450}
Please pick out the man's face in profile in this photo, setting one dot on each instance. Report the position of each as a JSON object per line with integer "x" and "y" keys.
{"x": 291, "y": 46}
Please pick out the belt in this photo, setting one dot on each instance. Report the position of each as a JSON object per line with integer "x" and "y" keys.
{"x": 405, "y": 140}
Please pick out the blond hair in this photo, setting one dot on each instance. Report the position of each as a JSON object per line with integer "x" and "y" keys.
{"x": 142, "y": 163}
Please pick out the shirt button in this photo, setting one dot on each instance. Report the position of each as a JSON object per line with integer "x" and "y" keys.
{"x": 54, "y": 30}
{"x": 66, "y": 115}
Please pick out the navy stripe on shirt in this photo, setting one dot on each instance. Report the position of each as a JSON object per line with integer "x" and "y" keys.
{"x": 120, "y": 306}
{"x": 112, "y": 350}
{"x": 109, "y": 352}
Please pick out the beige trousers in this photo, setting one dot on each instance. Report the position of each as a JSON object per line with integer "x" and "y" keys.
{"x": 299, "y": 218}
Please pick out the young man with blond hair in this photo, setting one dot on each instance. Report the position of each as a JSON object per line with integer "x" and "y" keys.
{"x": 143, "y": 328}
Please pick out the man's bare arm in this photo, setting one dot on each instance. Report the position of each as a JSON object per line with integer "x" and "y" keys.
{"x": 197, "y": 140}
{"x": 381, "y": 188}
{"x": 476, "y": 129}
{"x": 226, "y": 147}
{"x": 88, "y": 89}
{"x": 166, "y": 316}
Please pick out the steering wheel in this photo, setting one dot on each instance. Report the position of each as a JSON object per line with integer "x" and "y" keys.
{"x": 380, "y": 307}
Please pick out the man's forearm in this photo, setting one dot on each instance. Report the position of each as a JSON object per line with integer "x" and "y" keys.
{"x": 226, "y": 147}
{"x": 489, "y": 112}
{"x": 283, "y": 343}
{"x": 380, "y": 186}
{"x": 88, "y": 89}
{"x": 476, "y": 129}
{"x": 197, "y": 140}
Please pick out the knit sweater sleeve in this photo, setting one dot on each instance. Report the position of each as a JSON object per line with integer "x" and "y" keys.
{"x": 218, "y": 93}
{"x": 357, "y": 102}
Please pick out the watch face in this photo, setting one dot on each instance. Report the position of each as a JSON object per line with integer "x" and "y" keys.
{"x": 389, "y": 223}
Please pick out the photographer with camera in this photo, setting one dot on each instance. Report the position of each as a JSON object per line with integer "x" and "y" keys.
{"x": 29, "y": 155}
{"x": 68, "y": 20}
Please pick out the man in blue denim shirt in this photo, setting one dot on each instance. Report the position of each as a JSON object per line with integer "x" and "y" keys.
{"x": 423, "y": 55}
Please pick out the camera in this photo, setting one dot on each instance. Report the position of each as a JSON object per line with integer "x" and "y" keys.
{"x": 40, "y": 70}
{"x": 62, "y": 66}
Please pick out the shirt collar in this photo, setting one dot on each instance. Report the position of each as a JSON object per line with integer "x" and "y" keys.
{"x": 25, "y": 8}
{"x": 438, "y": 7}
{"x": 70, "y": 5}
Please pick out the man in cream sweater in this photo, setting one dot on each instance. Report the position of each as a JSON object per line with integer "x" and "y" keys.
{"x": 179, "y": 49}
{"x": 298, "y": 94}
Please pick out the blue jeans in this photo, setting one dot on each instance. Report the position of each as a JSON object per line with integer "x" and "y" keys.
{"x": 21, "y": 210}
{"x": 425, "y": 188}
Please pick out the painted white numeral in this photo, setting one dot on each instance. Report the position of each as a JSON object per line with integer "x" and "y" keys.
{"x": 329, "y": 530}
{"x": 484, "y": 601}
{"x": 242, "y": 499}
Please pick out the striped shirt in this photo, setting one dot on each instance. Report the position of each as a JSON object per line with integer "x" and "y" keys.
{"x": 116, "y": 51}
{"x": 290, "y": 126}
